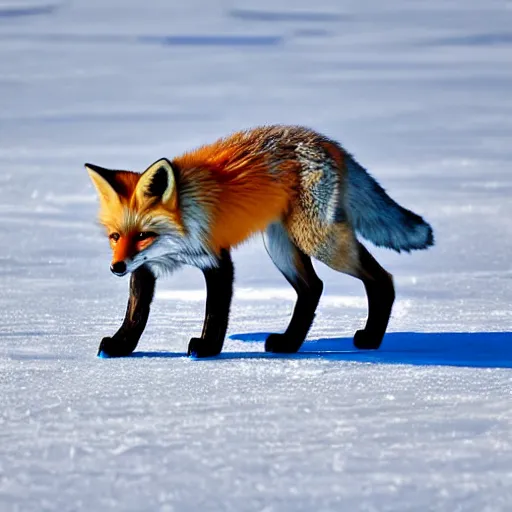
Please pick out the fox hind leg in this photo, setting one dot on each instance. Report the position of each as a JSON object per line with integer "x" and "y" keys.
{"x": 297, "y": 268}
{"x": 381, "y": 294}
{"x": 344, "y": 253}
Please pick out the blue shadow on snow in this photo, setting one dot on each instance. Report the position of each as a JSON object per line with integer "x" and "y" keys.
{"x": 465, "y": 349}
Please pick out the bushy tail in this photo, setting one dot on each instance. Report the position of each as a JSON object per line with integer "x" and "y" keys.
{"x": 380, "y": 219}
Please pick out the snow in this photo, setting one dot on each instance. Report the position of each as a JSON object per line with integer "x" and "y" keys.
{"x": 420, "y": 93}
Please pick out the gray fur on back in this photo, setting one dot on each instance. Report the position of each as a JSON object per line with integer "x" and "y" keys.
{"x": 378, "y": 218}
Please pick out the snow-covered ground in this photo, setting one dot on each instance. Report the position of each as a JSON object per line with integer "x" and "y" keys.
{"x": 420, "y": 92}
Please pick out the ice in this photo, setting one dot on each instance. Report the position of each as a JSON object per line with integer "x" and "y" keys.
{"x": 419, "y": 92}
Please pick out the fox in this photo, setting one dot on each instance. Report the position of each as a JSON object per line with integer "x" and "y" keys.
{"x": 303, "y": 191}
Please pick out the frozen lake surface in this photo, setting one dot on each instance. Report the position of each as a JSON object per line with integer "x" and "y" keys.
{"x": 420, "y": 93}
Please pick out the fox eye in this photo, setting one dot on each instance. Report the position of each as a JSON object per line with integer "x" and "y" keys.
{"x": 114, "y": 236}
{"x": 144, "y": 235}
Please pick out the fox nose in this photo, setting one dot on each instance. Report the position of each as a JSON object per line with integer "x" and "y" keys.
{"x": 118, "y": 268}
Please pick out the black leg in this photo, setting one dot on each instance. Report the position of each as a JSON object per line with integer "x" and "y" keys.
{"x": 299, "y": 272}
{"x": 219, "y": 290}
{"x": 124, "y": 341}
{"x": 381, "y": 295}
{"x": 309, "y": 289}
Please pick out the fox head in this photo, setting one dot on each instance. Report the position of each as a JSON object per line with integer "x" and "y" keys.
{"x": 140, "y": 214}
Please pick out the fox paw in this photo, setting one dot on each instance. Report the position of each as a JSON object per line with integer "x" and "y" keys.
{"x": 281, "y": 344}
{"x": 364, "y": 340}
{"x": 115, "y": 347}
{"x": 200, "y": 347}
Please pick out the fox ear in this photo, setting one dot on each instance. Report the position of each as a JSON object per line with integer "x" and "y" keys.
{"x": 157, "y": 182}
{"x": 103, "y": 180}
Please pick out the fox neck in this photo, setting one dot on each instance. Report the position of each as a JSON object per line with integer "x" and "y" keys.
{"x": 190, "y": 251}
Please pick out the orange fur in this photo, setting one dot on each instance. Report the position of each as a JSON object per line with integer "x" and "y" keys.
{"x": 126, "y": 181}
{"x": 240, "y": 193}
{"x": 128, "y": 245}
{"x": 114, "y": 215}
{"x": 124, "y": 248}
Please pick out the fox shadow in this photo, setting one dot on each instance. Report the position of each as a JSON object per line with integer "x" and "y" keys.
{"x": 462, "y": 349}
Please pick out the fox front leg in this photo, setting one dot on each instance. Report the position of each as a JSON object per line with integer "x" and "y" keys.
{"x": 219, "y": 290}
{"x": 124, "y": 341}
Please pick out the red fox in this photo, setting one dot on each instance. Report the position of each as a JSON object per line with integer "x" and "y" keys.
{"x": 302, "y": 190}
